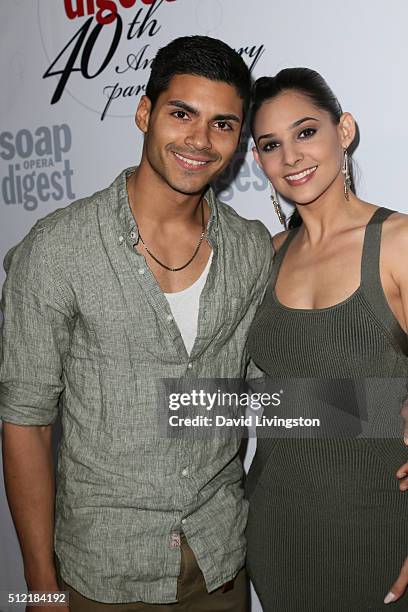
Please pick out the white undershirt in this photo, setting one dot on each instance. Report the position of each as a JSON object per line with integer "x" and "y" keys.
{"x": 185, "y": 305}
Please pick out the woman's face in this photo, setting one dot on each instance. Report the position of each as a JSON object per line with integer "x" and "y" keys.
{"x": 300, "y": 148}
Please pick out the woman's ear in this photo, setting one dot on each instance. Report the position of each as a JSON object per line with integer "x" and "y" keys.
{"x": 347, "y": 129}
{"x": 256, "y": 156}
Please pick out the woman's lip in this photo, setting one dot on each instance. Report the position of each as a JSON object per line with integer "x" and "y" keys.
{"x": 303, "y": 179}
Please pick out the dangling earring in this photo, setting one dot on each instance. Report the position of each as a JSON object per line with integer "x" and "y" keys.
{"x": 277, "y": 206}
{"x": 346, "y": 171}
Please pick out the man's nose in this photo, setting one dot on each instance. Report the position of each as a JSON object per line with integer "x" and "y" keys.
{"x": 199, "y": 137}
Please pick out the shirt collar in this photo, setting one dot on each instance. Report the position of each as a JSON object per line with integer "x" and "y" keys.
{"x": 128, "y": 224}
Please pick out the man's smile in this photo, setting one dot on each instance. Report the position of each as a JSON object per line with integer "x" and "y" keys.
{"x": 191, "y": 163}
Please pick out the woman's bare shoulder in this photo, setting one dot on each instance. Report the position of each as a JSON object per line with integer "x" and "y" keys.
{"x": 395, "y": 231}
{"x": 397, "y": 225}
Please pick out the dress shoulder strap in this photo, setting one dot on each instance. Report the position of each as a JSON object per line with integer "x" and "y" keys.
{"x": 278, "y": 259}
{"x": 371, "y": 285}
{"x": 370, "y": 261}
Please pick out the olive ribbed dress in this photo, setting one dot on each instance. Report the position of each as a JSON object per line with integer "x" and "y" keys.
{"x": 328, "y": 526}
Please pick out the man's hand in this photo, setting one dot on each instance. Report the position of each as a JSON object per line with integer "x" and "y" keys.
{"x": 402, "y": 473}
{"x": 404, "y": 416}
{"x": 399, "y": 586}
{"x": 402, "y": 476}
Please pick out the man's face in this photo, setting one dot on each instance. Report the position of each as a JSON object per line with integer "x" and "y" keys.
{"x": 192, "y": 132}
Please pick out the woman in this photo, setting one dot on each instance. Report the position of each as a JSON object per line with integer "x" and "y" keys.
{"x": 328, "y": 526}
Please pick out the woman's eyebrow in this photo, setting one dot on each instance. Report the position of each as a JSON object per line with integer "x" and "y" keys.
{"x": 295, "y": 124}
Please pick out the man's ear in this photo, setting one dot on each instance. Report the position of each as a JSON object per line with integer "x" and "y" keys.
{"x": 143, "y": 112}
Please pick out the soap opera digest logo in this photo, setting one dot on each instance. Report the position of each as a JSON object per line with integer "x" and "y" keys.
{"x": 38, "y": 168}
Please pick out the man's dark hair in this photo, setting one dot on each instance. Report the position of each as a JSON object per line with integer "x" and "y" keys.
{"x": 200, "y": 56}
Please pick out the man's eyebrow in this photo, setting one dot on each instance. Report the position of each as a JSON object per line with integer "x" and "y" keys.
{"x": 227, "y": 117}
{"x": 295, "y": 124}
{"x": 193, "y": 111}
{"x": 184, "y": 106}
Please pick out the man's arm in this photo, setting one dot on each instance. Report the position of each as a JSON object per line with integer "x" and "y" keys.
{"x": 29, "y": 480}
{"x": 35, "y": 338}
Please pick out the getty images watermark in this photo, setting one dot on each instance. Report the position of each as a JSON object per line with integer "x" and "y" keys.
{"x": 214, "y": 401}
{"x": 195, "y": 408}
{"x": 370, "y": 408}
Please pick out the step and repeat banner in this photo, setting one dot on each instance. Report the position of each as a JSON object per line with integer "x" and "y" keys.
{"x": 72, "y": 73}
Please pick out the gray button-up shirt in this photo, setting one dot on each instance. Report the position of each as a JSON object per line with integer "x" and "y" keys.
{"x": 88, "y": 330}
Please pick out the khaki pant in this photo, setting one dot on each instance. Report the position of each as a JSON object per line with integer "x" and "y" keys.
{"x": 192, "y": 594}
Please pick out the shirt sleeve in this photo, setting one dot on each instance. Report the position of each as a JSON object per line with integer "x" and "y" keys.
{"x": 266, "y": 255}
{"x": 35, "y": 335}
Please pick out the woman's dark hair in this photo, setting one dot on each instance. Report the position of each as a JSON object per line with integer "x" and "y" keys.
{"x": 200, "y": 56}
{"x": 307, "y": 82}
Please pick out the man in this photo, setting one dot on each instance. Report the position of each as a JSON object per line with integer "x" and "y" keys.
{"x": 102, "y": 299}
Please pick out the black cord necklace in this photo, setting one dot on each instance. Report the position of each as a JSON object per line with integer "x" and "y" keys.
{"x": 191, "y": 258}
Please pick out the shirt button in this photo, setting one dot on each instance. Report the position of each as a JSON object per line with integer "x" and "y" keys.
{"x": 189, "y": 365}
{"x": 183, "y": 521}
{"x": 121, "y": 239}
{"x": 185, "y": 472}
{"x": 142, "y": 271}
{"x": 169, "y": 318}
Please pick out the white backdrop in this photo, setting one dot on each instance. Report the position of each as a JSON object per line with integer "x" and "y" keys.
{"x": 69, "y": 89}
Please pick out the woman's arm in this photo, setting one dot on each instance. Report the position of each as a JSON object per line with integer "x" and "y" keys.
{"x": 400, "y": 275}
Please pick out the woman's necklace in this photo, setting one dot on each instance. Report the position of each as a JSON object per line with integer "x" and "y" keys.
{"x": 191, "y": 258}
